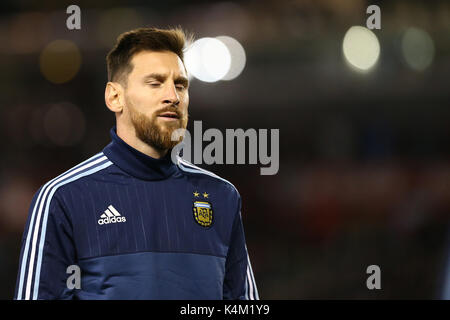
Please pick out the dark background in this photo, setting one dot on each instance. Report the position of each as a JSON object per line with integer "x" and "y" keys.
{"x": 364, "y": 157}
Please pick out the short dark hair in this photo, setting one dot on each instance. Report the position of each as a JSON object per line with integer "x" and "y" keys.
{"x": 129, "y": 43}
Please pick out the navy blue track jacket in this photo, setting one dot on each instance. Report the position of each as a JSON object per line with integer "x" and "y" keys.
{"x": 137, "y": 228}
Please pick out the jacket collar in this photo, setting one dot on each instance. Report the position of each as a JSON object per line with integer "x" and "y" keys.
{"x": 137, "y": 163}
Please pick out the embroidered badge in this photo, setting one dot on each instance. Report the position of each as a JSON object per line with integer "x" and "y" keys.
{"x": 203, "y": 211}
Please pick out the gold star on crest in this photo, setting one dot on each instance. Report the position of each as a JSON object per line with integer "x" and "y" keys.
{"x": 205, "y": 195}
{"x": 196, "y": 194}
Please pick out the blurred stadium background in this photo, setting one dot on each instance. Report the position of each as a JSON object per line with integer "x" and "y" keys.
{"x": 364, "y": 155}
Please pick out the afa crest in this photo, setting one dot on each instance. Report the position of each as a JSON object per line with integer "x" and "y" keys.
{"x": 203, "y": 213}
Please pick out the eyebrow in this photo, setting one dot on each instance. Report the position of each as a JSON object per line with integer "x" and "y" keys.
{"x": 162, "y": 77}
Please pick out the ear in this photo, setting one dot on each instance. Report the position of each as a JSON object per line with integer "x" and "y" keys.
{"x": 114, "y": 97}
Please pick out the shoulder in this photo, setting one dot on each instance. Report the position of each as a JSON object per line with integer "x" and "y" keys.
{"x": 89, "y": 167}
{"x": 189, "y": 168}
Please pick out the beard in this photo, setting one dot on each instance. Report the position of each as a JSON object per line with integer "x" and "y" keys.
{"x": 158, "y": 134}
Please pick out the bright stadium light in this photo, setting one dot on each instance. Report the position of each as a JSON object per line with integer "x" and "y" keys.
{"x": 361, "y": 48}
{"x": 208, "y": 59}
{"x": 417, "y": 48}
{"x": 238, "y": 57}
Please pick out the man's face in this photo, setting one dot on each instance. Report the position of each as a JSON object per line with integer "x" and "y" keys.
{"x": 156, "y": 97}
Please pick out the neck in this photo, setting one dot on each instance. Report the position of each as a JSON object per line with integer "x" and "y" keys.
{"x": 129, "y": 136}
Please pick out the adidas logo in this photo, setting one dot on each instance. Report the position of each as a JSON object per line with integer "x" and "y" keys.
{"x": 111, "y": 215}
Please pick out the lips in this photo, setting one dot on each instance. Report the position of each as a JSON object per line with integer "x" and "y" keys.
{"x": 171, "y": 115}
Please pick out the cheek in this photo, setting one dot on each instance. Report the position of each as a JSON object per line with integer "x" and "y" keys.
{"x": 143, "y": 96}
{"x": 185, "y": 101}
{"x": 143, "y": 101}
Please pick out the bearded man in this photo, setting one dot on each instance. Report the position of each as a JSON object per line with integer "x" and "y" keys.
{"x": 129, "y": 223}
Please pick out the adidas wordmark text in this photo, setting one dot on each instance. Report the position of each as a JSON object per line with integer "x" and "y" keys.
{"x": 111, "y": 215}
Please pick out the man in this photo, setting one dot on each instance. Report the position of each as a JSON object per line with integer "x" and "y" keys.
{"x": 137, "y": 225}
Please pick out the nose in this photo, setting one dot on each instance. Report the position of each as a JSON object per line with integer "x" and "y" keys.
{"x": 171, "y": 96}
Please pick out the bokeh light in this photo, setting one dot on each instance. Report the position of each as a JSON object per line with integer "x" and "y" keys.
{"x": 238, "y": 57}
{"x": 64, "y": 124}
{"x": 27, "y": 32}
{"x": 60, "y": 61}
{"x": 361, "y": 48}
{"x": 208, "y": 59}
{"x": 417, "y": 48}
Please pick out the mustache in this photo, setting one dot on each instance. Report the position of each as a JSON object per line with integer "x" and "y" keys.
{"x": 173, "y": 109}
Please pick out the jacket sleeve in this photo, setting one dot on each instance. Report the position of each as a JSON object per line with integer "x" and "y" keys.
{"x": 239, "y": 282}
{"x": 47, "y": 250}
{"x": 446, "y": 273}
